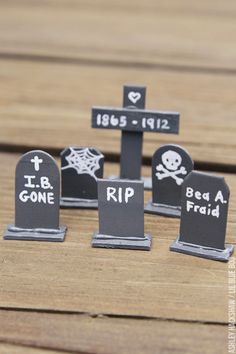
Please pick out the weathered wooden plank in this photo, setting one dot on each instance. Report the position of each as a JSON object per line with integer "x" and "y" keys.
{"x": 74, "y": 277}
{"x": 155, "y": 32}
{"x": 49, "y": 105}
{"x": 19, "y": 349}
{"x": 81, "y": 333}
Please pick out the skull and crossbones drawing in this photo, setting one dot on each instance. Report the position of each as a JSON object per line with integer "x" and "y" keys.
{"x": 171, "y": 167}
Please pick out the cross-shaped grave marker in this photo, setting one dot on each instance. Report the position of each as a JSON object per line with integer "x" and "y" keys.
{"x": 133, "y": 119}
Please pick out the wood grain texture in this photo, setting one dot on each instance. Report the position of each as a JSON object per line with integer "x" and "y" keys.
{"x": 185, "y": 33}
{"x": 72, "y": 276}
{"x": 102, "y": 335}
{"x": 6, "y": 348}
{"x": 49, "y": 105}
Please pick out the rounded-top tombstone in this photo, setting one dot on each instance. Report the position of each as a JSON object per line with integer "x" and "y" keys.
{"x": 170, "y": 166}
{"x": 37, "y": 198}
{"x": 80, "y": 169}
{"x": 204, "y": 202}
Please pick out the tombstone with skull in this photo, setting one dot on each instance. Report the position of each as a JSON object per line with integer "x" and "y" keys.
{"x": 170, "y": 165}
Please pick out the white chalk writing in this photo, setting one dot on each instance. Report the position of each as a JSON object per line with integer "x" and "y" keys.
{"x": 36, "y": 196}
{"x": 210, "y": 208}
{"x": 119, "y": 195}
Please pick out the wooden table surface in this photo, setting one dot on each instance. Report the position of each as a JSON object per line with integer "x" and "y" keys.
{"x": 58, "y": 58}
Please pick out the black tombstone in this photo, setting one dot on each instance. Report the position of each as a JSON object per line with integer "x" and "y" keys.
{"x": 121, "y": 217}
{"x": 80, "y": 169}
{"x": 133, "y": 120}
{"x": 170, "y": 166}
{"x": 205, "y": 200}
{"x": 37, "y": 196}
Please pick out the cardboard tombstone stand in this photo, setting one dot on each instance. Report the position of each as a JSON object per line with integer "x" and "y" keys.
{"x": 205, "y": 200}
{"x": 37, "y": 196}
{"x": 80, "y": 169}
{"x": 133, "y": 120}
{"x": 121, "y": 217}
{"x": 170, "y": 166}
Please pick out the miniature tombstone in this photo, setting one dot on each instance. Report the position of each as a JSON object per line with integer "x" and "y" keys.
{"x": 37, "y": 188}
{"x": 133, "y": 120}
{"x": 121, "y": 217}
{"x": 170, "y": 166}
{"x": 80, "y": 169}
{"x": 205, "y": 200}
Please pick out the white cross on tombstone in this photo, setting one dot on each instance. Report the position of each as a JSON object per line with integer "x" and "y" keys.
{"x": 36, "y": 161}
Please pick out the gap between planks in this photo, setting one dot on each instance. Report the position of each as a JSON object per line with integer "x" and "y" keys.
{"x": 115, "y": 158}
{"x": 11, "y": 347}
{"x": 116, "y": 63}
{"x": 102, "y": 335}
{"x": 107, "y": 315}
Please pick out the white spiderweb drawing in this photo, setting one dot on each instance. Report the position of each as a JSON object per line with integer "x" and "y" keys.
{"x": 83, "y": 161}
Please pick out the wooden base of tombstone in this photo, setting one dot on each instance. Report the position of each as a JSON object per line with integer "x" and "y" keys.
{"x": 77, "y": 203}
{"x": 201, "y": 251}
{"x": 163, "y": 209}
{"x": 53, "y": 235}
{"x": 133, "y": 243}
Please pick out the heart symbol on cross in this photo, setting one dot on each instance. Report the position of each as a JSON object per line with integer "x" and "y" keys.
{"x": 134, "y": 96}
